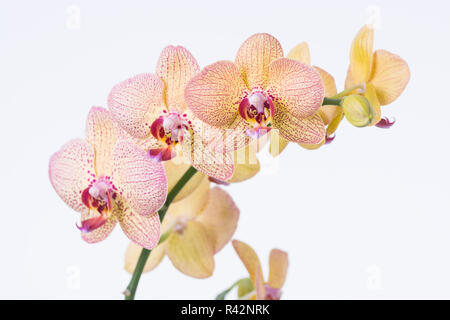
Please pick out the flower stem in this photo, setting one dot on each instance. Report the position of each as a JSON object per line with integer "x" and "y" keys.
{"x": 331, "y": 101}
{"x": 132, "y": 286}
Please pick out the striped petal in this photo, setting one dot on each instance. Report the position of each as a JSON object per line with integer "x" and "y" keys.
{"x": 296, "y": 86}
{"x": 213, "y": 164}
{"x": 135, "y": 103}
{"x": 254, "y": 57}
{"x": 214, "y": 94}
{"x": 141, "y": 181}
{"x": 300, "y": 53}
{"x": 192, "y": 250}
{"x": 71, "y": 170}
{"x": 278, "y": 265}
{"x": 101, "y": 133}
{"x": 176, "y": 66}
{"x": 100, "y": 233}
{"x": 219, "y": 216}
{"x": 361, "y": 55}
{"x": 133, "y": 253}
{"x": 390, "y": 76}
{"x": 175, "y": 169}
{"x": 250, "y": 260}
{"x": 308, "y": 131}
{"x": 145, "y": 231}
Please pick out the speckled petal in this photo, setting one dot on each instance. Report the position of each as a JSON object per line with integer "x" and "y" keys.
{"x": 192, "y": 251}
{"x": 219, "y": 216}
{"x": 101, "y": 133}
{"x": 71, "y": 170}
{"x": 145, "y": 231}
{"x": 278, "y": 265}
{"x": 390, "y": 76}
{"x": 100, "y": 233}
{"x": 215, "y": 93}
{"x": 176, "y": 66}
{"x": 134, "y": 251}
{"x": 309, "y": 130}
{"x": 300, "y": 53}
{"x": 135, "y": 103}
{"x": 253, "y": 59}
{"x": 250, "y": 260}
{"x": 141, "y": 181}
{"x": 361, "y": 56}
{"x": 296, "y": 86}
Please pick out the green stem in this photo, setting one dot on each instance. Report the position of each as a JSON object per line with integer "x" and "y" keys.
{"x": 330, "y": 101}
{"x": 132, "y": 286}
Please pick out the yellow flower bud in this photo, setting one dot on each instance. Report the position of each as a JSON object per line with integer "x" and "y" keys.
{"x": 357, "y": 110}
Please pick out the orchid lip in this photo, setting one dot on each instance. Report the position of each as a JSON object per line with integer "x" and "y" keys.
{"x": 257, "y": 110}
{"x": 170, "y": 128}
{"x": 329, "y": 139}
{"x": 91, "y": 224}
{"x": 272, "y": 293}
{"x": 385, "y": 123}
{"x": 162, "y": 154}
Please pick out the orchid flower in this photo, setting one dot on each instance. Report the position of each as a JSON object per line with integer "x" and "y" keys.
{"x": 195, "y": 228}
{"x": 261, "y": 90}
{"x": 151, "y": 108}
{"x": 381, "y": 74}
{"x": 302, "y": 54}
{"x": 259, "y": 289}
{"x": 109, "y": 180}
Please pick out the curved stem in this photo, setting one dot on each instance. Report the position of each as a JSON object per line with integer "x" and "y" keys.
{"x": 132, "y": 286}
{"x": 331, "y": 101}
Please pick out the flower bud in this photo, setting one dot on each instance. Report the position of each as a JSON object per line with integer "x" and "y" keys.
{"x": 245, "y": 286}
{"x": 357, "y": 110}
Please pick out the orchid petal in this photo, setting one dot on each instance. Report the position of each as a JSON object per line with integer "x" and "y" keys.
{"x": 278, "y": 265}
{"x": 250, "y": 260}
{"x": 309, "y": 130}
{"x": 296, "y": 86}
{"x": 136, "y": 102}
{"x": 71, "y": 171}
{"x": 141, "y": 181}
{"x": 390, "y": 76}
{"x": 246, "y": 164}
{"x": 259, "y": 285}
{"x": 192, "y": 250}
{"x": 101, "y": 232}
{"x": 300, "y": 53}
{"x": 328, "y": 112}
{"x": 142, "y": 230}
{"x": 361, "y": 56}
{"x": 254, "y": 57}
{"x": 371, "y": 95}
{"x": 219, "y": 216}
{"x": 101, "y": 133}
{"x": 176, "y": 66}
{"x": 277, "y": 143}
{"x": 133, "y": 253}
{"x": 214, "y": 94}
{"x": 175, "y": 169}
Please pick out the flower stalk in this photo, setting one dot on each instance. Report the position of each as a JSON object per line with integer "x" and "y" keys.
{"x": 132, "y": 286}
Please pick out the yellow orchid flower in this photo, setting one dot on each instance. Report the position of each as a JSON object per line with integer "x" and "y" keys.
{"x": 302, "y": 54}
{"x": 382, "y": 74}
{"x": 196, "y": 227}
{"x": 259, "y": 289}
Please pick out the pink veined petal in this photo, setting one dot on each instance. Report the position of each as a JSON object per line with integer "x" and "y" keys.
{"x": 142, "y": 230}
{"x": 101, "y": 133}
{"x": 199, "y": 154}
{"x": 100, "y": 233}
{"x": 71, "y": 170}
{"x": 214, "y": 94}
{"x": 297, "y": 86}
{"x": 307, "y": 131}
{"x": 254, "y": 57}
{"x": 136, "y": 102}
{"x": 141, "y": 181}
{"x": 176, "y": 66}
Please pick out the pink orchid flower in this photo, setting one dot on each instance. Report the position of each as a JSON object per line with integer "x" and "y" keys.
{"x": 110, "y": 180}
{"x": 261, "y": 90}
{"x": 151, "y": 108}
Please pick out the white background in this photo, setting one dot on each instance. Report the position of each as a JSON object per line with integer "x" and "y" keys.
{"x": 365, "y": 217}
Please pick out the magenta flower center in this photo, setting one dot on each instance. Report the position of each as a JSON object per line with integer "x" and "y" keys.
{"x": 257, "y": 111}
{"x": 170, "y": 128}
{"x": 98, "y": 198}
{"x": 272, "y": 293}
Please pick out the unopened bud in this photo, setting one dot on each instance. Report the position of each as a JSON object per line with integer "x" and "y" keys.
{"x": 357, "y": 110}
